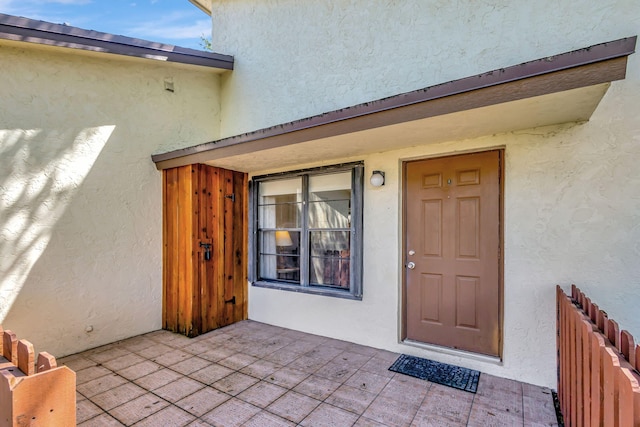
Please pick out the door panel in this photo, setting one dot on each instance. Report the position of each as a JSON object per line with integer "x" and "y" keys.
{"x": 468, "y": 228}
{"x": 432, "y": 219}
{"x": 466, "y": 301}
{"x": 452, "y": 225}
{"x": 431, "y": 286}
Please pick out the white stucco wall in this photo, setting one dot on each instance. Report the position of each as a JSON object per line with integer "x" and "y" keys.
{"x": 80, "y": 198}
{"x": 572, "y": 192}
{"x": 298, "y": 59}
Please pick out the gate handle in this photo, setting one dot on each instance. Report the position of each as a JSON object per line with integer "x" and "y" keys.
{"x": 207, "y": 250}
{"x": 231, "y": 301}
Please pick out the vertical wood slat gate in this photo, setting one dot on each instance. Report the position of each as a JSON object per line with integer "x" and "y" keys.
{"x": 204, "y": 248}
{"x": 598, "y": 380}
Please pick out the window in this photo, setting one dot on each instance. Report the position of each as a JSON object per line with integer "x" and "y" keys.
{"x": 307, "y": 228}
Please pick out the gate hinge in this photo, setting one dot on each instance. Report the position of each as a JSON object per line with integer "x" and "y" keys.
{"x": 231, "y": 196}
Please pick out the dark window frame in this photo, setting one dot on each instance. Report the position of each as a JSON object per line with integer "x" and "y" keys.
{"x": 355, "y": 274}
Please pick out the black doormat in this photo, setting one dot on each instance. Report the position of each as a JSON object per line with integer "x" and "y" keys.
{"x": 436, "y": 372}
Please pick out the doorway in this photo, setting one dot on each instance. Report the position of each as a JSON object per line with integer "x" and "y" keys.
{"x": 452, "y": 252}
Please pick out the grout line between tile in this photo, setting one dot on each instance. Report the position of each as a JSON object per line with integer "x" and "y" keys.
{"x": 522, "y": 402}
{"x": 239, "y": 347}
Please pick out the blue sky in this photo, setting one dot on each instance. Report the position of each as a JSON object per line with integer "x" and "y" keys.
{"x": 176, "y": 22}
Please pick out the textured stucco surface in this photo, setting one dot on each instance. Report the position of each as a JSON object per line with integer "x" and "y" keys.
{"x": 80, "y": 218}
{"x": 567, "y": 220}
{"x": 572, "y": 192}
{"x": 80, "y": 199}
{"x": 296, "y": 59}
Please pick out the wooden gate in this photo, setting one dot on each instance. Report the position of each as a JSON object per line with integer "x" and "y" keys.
{"x": 204, "y": 248}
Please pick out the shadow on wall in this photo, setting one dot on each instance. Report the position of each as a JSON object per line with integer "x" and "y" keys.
{"x": 40, "y": 172}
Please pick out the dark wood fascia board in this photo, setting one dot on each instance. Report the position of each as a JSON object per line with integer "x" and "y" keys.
{"x": 593, "y": 65}
{"x": 201, "y": 6}
{"x": 46, "y": 33}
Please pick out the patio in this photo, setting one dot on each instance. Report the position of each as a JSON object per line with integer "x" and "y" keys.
{"x": 253, "y": 374}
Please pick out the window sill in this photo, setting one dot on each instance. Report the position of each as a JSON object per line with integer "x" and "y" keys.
{"x": 327, "y": 292}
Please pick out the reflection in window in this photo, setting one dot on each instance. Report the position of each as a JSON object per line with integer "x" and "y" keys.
{"x": 329, "y": 209}
{"x": 330, "y": 258}
{"x": 280, "y": 206}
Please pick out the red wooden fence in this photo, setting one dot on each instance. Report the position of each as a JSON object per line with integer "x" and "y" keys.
{"x": 34, "y": 391}
{"x": 598, "y": 379}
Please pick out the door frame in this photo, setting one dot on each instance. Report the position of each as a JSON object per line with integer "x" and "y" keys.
{"x": 403, "y": 250}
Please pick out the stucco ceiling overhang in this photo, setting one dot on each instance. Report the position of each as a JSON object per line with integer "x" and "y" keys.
{"x": 554, "y": 90}
{"x": 15, "y": 29}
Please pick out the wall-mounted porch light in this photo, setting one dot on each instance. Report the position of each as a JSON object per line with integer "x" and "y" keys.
{"x": 377, "y": 178}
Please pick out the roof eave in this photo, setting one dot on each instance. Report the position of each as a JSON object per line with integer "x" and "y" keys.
{"x": 589, "y": 66}
{"x": 203, "y": 5}
{"x": 21, "y": 29}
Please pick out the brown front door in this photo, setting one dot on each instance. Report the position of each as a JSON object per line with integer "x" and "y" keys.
{"x": 452, "y": 252}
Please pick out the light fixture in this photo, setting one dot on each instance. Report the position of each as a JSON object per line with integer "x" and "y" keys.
{"x": 377, "y": 178}
{"x": 283, "y": 238}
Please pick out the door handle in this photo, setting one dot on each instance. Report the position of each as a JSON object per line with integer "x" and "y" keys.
{"x": 231, "y": 301}
{"x": 411, "y": 265}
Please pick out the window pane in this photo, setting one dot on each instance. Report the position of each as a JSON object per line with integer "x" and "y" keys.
{"x": 330, "y": 214}
{"x": 280, "y": 267}
{"x": 322, "y": 241}
{"x": 280, "y": 203}
{"x": 329, "y": 260}
{"x": 281, "y": 187}
{"x": 280, "y": 242}
{"x": 330, "y": 271}
{"x": 279, "y": 255}
{"x": 330, "y": 201}
{"x": 280, "y": 216}
{"x": 330, "y": 182}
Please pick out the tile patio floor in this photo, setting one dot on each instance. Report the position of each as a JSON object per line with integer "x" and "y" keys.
{"x": 252, "y": 374}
